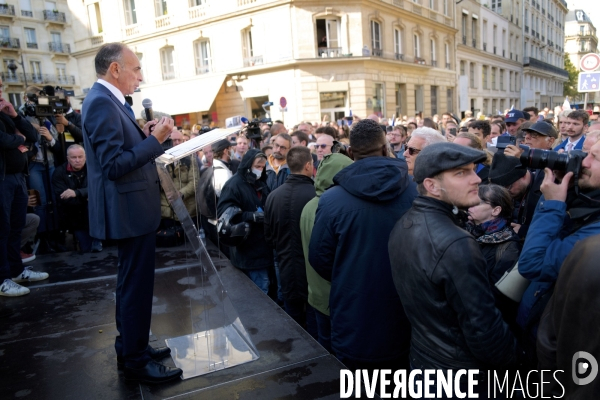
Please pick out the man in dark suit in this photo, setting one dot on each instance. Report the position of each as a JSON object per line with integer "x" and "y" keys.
{"x": 124, "y": 203}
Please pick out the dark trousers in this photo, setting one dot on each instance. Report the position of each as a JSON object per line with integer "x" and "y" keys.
{"x": 13, "y": 208}
{"x": 324, "y": 329}
{"x": 135, "y": 286}
{"x": 303, "y": 314}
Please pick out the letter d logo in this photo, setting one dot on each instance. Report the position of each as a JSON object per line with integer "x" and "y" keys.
{"x": 581, "y": 368}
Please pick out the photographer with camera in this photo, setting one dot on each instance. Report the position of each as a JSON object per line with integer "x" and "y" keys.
{"x": 41, "y": 169}
{"x": 69, "y": 119}
{"x": 568, "y": 212}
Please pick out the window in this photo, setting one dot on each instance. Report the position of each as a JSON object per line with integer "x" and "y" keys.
{"x": 474, "y": 31}
{"x": 527, "y": 18}
{"x": 376, "y": 38}
{"x": 61, "y": 73}
{"x": 497, "y": 6}
{"x": 432, "y": 4}
{"x": 417, "y": 45}
{"x": 36, "y": 71}
{"x": 447, "y": 54}
{"x": 194, "y": 3}
{"x": 462, "y": 68}
{"x": 378, "y": 99}
{"x": 493, "y": 78}
{"x": 15, "y": 99}
{"x": 4, "y": 32}
{"x": 517, "y": 82}
{"x": 510, "y": 80}
{"x": 95, "y": 18}
{"x": 484, "y": 76}
{"x": 248, "y": 46}
{"x": 130, "y": 12}
{"x": 166, "y": 59}
{"x": 446, "y": 9}
{"x": 494, "y": 106}
{"x": 400, "y": 94}
{"x": 582, "y": 45}
{"x": 56, "y": 37}
{"x": 333, "y": 104}
{"x": 398, "y": 44}
{"x": 26, "y": 8}
{"x": 581, "y": 29}
{"x": 160, "y": 8}
{"x": 450, "y": 100}
{"x": 464, "y": 29}
{"x": 328, "y": 34}
{"x": 501, "y": 79}
{"x": 432, "y": 45}
{"x": 419, "y": 98}
{"x": 495, "y": 37}
{"x": 202, "y": 53}
{"x": 31, "y": 39}
{"x": 434, "y": 100}
{"x": 472, "y": 75}
{"x": 484, "y": 35}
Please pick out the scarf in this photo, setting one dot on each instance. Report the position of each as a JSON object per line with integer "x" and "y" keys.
{"x": 495, "y": 230}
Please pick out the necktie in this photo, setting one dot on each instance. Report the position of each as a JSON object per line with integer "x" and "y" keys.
{"x": 569, "y": 146}
{"x": 128, "y": 107}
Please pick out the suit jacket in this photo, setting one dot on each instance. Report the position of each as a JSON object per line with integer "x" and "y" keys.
{"x": 563, "y": 145}
{"x": 123, "y": 184}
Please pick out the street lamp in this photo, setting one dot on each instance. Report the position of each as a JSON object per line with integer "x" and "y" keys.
{"x": 13, "y": 68}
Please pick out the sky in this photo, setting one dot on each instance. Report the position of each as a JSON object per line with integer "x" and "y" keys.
{"x": 591, "y": 8}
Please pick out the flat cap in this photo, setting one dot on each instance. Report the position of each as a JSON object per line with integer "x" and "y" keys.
{"x": 439, "y": 157}
{"x": 543, "y": 128}
{"x": 506, "y": 170}
{"x": 221, "y": 145}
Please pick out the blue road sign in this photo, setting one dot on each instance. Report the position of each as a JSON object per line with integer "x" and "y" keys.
{"x": 588, "y": 82}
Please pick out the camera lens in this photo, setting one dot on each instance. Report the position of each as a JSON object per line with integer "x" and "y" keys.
{"x": 540, "y": 159}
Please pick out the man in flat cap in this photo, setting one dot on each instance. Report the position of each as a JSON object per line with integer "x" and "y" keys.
{"x": 440, "y": 273}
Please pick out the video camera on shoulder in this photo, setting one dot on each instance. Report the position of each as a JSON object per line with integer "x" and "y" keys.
{"x": 48, "y": 102}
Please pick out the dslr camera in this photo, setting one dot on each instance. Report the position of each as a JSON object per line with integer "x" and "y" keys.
{"x": 47, "y": 103}
{"x": 564, "y": 162}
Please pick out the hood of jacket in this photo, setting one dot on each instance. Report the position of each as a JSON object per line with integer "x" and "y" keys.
{"x": 375, "y": 178}
{"x": 245, "y": 168}
{"x": 328, "y": 168}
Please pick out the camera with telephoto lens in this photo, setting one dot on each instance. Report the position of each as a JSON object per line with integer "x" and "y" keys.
{"x": 253, "y": 129}
{"x": 45, "y": 104}
{"x": 564, "y": 162}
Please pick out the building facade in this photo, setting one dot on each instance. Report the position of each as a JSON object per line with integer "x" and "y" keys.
{"x": 544, "y": 74}
{"x": 36, "y": 41}
{"x": 580, "y": 39}
{"x": 489, "y": 58}
{"x": 204, "y": 61}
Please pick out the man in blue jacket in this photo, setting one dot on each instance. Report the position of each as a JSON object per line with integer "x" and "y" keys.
{"x": 348, "y": 247}
{"x": 576, "y": 127}
{"x": 552, "y": 235}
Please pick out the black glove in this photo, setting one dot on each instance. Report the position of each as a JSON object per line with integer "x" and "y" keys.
{"x": 258, "y": 216}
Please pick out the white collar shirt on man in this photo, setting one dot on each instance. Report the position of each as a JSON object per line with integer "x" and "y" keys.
{"x": 116, "y": 92}
{"x": 571, "y": 145}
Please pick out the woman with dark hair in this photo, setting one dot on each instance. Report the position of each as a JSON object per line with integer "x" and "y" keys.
{"x": 428, "y": 122}
{"x": 489, "y": 222}
{"x": 343, "y": 132}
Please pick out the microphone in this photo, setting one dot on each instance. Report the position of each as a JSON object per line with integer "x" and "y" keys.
{"x": 147, "y": 104}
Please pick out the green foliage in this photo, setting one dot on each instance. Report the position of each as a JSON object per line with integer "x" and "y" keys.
{"x": 570, "y": 86}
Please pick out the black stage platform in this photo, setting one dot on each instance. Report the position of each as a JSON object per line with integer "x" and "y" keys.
{"x": 58, "y": 342}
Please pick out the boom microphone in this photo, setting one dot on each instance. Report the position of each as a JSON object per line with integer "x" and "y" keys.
{"x": 147, "y": 104}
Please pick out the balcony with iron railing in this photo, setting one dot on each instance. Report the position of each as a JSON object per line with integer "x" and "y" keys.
{"x": 484, "y": 46}
{"x": 54, "y": 16}
{"x": 328, "y": 52}
{"x": 19, "y": 78}
{"x": 10, "y": 43}
{"x": 26, "y": 13}
{"x": 64, "y": 48}
{"x": 434, "y": 63}
{"x": 7, "y": 9}
{"x": 464, "y": 40}
{"x": 535, "y": 63}
{"x": 377, "y": 52}
{"x": 252, "y": 61}
{"x": 448, "y": 65}
{"x": 474, "y": 43}
{"x": 399, "y": 56}
{"x": 32, "y": 45}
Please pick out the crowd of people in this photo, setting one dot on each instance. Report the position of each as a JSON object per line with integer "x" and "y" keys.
{"x": 388, "y": 240}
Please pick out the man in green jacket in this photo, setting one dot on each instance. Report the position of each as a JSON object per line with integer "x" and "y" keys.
{"x": 318, "y": 288}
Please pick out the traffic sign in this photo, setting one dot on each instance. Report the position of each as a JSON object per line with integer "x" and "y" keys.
{"x": 282, "y": 102}
{"x": 589, "y": 62}
{"x": 588, "y": 82}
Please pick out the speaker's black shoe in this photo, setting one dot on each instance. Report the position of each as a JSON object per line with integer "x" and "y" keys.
{"x": 151, "y": 373}
{"x": 156, "y": 354}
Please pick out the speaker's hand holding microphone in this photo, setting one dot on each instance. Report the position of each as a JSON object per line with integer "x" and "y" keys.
{"x": 162, "y": 129}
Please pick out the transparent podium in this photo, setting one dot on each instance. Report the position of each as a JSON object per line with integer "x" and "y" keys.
{"x": 217, "y": 338}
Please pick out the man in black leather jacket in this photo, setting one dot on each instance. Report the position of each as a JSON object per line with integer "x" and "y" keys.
{"x": 440, "y": 273}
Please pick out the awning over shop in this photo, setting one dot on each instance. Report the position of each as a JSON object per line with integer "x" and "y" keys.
{"x": 181, "y": 97}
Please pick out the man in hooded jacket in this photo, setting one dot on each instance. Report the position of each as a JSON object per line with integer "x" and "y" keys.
{"x": 319, "y": 288}
{"x": 248, "y": 191}
{"x": 348, "y": 247}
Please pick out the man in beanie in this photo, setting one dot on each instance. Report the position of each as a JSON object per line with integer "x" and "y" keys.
{"x": 523, "y": 186}
{"x": 440, "y": 273}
